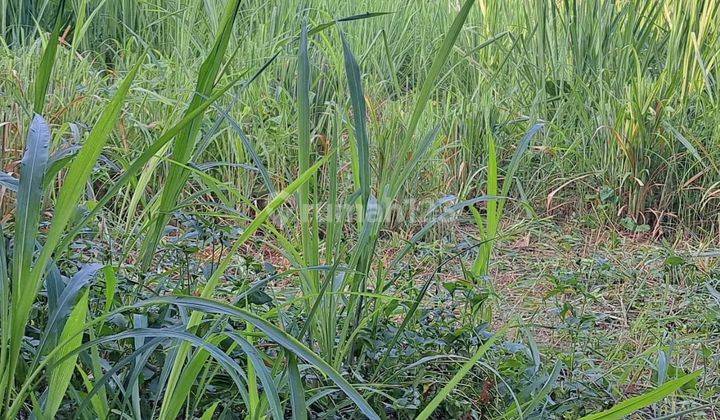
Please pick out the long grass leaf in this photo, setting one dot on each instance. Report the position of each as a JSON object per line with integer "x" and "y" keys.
{"x": 297, "y": 391}
{"x": 435, "y": 69}
{"x": 455, "y": 380}
{"x": 274, "y": 333}
{"x": 5, "y": 315}
{"x": 27, "y": 218}
{"x": 631, "y": 405}
{"x": 61, "y": 373}
{"x": 357, "y": 100}
{"x": 685, "y": 142}
{"x": 326, "y": 25}
{"x": 190, "y": 373}
{"x": 308, "y": 217}
{"x": 184, "y": 144}
{"x": 47, "y": 62}
{"x": 66, "y": 300}
{"x": 254, "y": 357}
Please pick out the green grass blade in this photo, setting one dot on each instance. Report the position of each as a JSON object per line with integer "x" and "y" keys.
{"x": 208, "y": 414}
{"x": 517, "y": 157}
{"x": 27, "y": 218}
{"x": 5, "y": 315}
{"x": 274, "y": 333}
{"x": 391, "y": 64}
{"x": 434, "y": 72}
{"x": 326, "y": 25}
{"x": 357, "y": 99}
{"x": 455, "y": 380}
{"x": 184, "y": 144}
{"x": 68, "y": 297}
{"x": 685, "y": 142}
{"x": 84, "y": 25}
{"x": 99, "y": 403}
{"x": 491, "y": 220}
{"x": 61, "y": 373}
{"x": 308, "y": 217}
{"x": 47, "y": 62}
{"x": 111, "y": 284}
{"x": 29, "y": 199}
{"x": 189, "y": 376}
{"x": 495, "y": 209}
{"x": 297, "y": 391}
{"x": 262, "y": 371}
{"x": 630, "y": 406}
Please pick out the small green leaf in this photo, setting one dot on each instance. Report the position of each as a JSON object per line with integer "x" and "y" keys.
{"x": 674, "y": 260}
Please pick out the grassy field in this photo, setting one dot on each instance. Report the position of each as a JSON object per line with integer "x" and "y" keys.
{"x": 373, "y": 209}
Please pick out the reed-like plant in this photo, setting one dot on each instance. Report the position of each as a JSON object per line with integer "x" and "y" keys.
{"x": 319, "y": 135}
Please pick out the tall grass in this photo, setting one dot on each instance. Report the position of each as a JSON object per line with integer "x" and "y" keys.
{"x": 255, "y": 115}
{"x": 608, "y": 77}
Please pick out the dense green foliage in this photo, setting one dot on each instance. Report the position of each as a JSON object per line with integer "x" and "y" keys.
{"x": 227, "y": 208}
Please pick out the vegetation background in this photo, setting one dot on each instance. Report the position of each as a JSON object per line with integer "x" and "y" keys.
{"x": 458, "y": 209}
